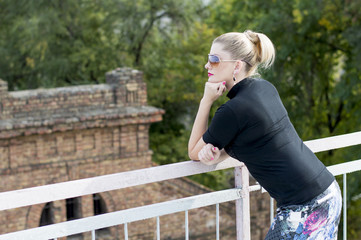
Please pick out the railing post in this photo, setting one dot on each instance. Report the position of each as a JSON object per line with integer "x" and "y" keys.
{"x": 241, "y": 176}
{"x": 271, "y": 210}
{"x": 344, "y": 206}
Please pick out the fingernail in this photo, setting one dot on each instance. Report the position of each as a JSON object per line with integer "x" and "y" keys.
{"x": 224, "y": 83}
{"x": 211, "y": 158}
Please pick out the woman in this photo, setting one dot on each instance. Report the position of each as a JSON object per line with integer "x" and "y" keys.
{"x": 253, "y": 127}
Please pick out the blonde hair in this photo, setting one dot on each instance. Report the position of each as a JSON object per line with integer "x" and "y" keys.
{"x": 256, "y": 49}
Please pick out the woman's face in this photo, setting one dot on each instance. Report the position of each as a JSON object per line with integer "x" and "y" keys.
{"x": 224, "y": 70}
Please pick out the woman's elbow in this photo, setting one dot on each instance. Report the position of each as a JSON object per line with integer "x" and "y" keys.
{"x": 192, "y": 155}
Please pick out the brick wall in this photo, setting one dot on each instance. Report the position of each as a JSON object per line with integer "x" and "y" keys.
{"x": 44, "y": 111}
{"x": 62, "y": 134}
{"x": 124, "y": 87}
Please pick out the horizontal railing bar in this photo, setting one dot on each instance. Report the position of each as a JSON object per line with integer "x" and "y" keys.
{"x": 64, "y": 190}
{"x": 337, "y": 169}
{"x": 347, "y": 167}
{"x": 124, "y": 216}
{"x": 254, "y": 188}
{"x": 329, "y": 143}
{"x": 59, "y": 191}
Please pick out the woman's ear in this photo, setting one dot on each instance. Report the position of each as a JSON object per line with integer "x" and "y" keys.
{"x": 238, "y": 67}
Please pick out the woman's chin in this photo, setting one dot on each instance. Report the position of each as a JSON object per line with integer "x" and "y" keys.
{"x": 213, "y": 80}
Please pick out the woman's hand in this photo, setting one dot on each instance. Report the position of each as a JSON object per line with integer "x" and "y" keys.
{"x": 209, "y": 154}
{"x": 212, "y": 91}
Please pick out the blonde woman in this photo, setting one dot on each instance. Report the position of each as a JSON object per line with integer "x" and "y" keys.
{"x": 253, "y": 126}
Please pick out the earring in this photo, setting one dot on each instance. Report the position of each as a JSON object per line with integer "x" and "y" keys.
{"x": 234, "y": 78}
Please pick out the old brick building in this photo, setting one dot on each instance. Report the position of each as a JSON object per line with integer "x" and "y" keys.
{"x": 56, "y": 135}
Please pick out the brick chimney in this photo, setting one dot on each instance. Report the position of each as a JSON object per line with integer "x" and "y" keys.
{"x": 128, "y": 85}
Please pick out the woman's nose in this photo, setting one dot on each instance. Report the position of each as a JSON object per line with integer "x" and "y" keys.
{"x": 207, "y": 66}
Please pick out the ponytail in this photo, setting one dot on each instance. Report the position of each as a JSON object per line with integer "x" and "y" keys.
{"x": 256, "y": 49}
{"x": 264, "y": 49}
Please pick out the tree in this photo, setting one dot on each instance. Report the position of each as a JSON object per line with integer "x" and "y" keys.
{"x": 57, "y": 43}
{"x": 54, "y": 43}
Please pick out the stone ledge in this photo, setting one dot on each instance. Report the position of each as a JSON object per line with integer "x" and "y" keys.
{"x": 81, "y": 119}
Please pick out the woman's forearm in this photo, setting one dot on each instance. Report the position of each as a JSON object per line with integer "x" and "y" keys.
{"x": 212, "y": 91}
{"x": 200, "y": 125}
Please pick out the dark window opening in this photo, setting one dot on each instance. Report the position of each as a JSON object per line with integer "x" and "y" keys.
{"x": 47, "y": 215}
{"x": 73, "y": 211}
{"x": 100, "y": 208}
{"x": 73, "y": 208}
{"x": 99, "y": 205}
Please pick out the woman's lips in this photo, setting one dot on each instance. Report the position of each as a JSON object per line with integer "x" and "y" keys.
{"x": 210, "y": 74}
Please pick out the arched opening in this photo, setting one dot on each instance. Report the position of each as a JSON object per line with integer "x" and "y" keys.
{"x": 47, "y": 215}
{"x": 100, "y": 207}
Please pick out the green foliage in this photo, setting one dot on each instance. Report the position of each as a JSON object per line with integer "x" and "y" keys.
{"x": 55, "y": 43}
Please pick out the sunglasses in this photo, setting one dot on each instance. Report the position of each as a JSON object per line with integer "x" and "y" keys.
{"x": 214, "y": 61}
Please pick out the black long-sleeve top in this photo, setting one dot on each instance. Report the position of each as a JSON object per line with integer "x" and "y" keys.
{"x": 254, "y": 127}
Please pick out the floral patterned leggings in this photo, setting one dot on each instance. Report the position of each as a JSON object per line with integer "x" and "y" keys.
{"x": 317, "y": 219}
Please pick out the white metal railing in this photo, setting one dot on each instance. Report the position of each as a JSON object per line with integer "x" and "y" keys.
{"x": 71, "y": 189}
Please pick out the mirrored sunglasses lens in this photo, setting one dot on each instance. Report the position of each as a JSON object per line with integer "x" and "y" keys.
{"x": 213, "y": 59}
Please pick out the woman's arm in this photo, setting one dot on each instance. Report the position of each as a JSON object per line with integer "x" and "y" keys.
{"x": 200, "y": 126}
{"x": 212, "y": 92}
